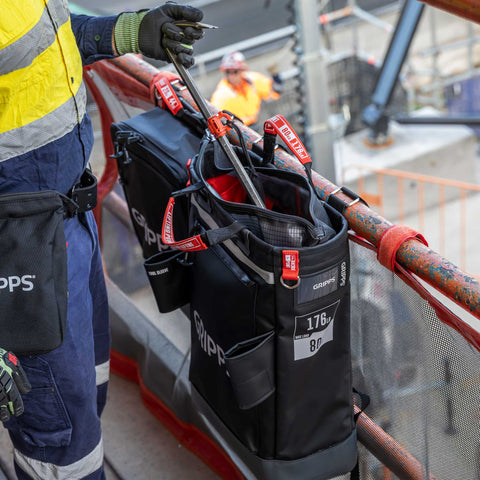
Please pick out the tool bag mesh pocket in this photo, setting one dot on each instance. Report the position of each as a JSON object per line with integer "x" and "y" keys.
{"x": 271, "y": 355}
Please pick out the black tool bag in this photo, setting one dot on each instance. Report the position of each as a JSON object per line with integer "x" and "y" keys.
{"x": 270, "y": 315}
{"x": 152, "y": 152}
{"x": 33, "y": 270}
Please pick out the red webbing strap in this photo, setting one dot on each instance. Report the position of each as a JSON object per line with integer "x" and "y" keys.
{"x": 161, "y": 83}
{"x": 191, "y": 244}
{"x": 278, "y": 125}
{"x": 391, "y": 240}
{"x": 290, "y": 268}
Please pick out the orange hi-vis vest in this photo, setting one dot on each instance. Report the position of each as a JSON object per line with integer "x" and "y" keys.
{"x": 244, "y": 100}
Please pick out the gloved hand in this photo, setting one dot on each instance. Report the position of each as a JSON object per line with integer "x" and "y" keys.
{"x": 277, "y": 79}
{"x": 13, "y": 382}
{"x": 272, "y": 69}
{"x": 151, "y": 31}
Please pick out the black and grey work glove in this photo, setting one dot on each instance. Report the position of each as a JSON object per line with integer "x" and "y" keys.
{"x": 150, "y": 32}
{"x": 13, "y": 382}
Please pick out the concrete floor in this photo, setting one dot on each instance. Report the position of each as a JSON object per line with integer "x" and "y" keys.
{"x": 137, "y": 446}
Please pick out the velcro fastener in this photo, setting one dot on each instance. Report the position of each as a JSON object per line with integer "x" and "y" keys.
{"x": 391, "y": 240}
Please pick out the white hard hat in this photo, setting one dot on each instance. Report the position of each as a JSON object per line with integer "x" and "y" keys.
{"x": 233, "y": 61}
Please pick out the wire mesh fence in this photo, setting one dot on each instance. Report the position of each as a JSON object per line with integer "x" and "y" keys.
{"x": 351, "y": 81}
{"x": 422, "y": 377}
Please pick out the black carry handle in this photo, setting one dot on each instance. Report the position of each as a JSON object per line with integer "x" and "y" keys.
{"x": 197, "y": 242}
{"x": 279, "y": 125}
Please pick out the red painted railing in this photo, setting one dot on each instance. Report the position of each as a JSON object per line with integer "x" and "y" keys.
{"x": 129, "y": 78}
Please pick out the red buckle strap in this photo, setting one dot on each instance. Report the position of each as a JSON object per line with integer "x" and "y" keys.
{"x": 391, "y": 240}
{"x": 160, "y": 78}
{"x": 291, "y": 269}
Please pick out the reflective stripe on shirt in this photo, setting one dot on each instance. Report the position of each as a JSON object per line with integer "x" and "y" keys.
{"x": 44, "y": 130}
{"x": 41, "y": 86}
{"x": 22, "y": 52}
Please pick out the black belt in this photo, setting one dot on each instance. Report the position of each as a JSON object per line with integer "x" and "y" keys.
{"x": 83, "y": 196}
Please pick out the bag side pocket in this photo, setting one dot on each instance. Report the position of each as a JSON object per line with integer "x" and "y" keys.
{"x": 169, "y": 274}
{"x": 251, "y": 367}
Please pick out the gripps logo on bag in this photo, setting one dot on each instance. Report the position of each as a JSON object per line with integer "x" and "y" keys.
{"x": 313, "y": 331}
{"x": 322, "y": 284}
{"x": 150, "y": 237}
{"x": 209, "y": 346}
{"x": 343, "y": 274}
{"x": 14, "y": 282}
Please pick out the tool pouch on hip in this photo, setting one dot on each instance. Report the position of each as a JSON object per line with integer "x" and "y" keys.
{"x": 33, "y": 271}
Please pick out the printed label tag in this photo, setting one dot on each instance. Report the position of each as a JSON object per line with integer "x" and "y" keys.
{"x": 290, "y": 265}
{"x": 313, "y": 330}
{"x": 288, "y": 135}
{"x": 169, "y": 96}
{"x": 318, "y": 286}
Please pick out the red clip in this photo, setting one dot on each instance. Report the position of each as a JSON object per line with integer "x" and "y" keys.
{"x": 216, "y": 126}
{"x": 269, "y": 128}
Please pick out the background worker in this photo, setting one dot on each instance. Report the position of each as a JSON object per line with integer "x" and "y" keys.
{"x": 241, "y": 91}
{"x": 45, "y": 141}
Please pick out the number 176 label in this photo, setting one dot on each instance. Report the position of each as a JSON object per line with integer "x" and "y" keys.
{"x": 313, "y": 330}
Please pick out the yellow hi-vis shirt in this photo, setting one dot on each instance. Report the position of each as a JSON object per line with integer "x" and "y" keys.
{"x": 42, "y": 96}
{"x": 244, "y": 100}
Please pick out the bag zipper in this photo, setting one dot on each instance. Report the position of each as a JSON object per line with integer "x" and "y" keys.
{"x": 21, "y": 196}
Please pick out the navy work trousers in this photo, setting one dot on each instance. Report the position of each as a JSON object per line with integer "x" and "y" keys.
{"x": 60, "y": 428}
{"x": 59, "y": 434}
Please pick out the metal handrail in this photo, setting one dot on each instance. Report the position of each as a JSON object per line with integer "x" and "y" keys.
{"x": 123, "y": 72}
{"x": 437, "y": 271}
{"x": 463, "y": 189}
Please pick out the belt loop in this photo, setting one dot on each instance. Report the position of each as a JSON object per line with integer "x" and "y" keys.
{"x": 84, "y": 193}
